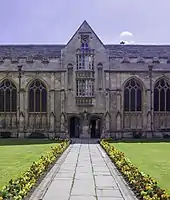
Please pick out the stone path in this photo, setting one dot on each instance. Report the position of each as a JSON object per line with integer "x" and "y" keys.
{"x": 87, "y": 174}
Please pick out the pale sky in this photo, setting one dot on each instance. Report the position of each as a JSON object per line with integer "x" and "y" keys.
{"x": 55, "y": 21}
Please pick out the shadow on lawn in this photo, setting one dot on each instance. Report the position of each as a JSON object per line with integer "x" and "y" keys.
{"x": 123, "y": 140}
{"x": 152, "y": 140}
{"x": 18, "y": 141}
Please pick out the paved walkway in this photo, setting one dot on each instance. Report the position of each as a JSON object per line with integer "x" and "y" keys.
{"x": 86, "y": 174}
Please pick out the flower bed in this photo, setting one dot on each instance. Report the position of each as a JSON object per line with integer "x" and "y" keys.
{"x": 144, "y": 186}
{"x": 19, "y": 188}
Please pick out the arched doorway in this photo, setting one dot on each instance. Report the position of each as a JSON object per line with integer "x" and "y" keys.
{"x": 95, "y": 127}
{"x": 74, "y": 127}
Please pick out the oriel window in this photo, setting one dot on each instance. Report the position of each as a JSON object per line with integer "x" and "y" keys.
{"x": 85, "y": 88}
{"x": 85, "y": 57}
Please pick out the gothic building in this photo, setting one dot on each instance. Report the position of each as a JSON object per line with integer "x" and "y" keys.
{"x": 84, "y": 88}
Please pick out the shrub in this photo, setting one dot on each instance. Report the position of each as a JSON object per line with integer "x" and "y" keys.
{"x": 19, "y": 188}
{"x": 37, "y": 135}
{"x": 5, "y": 134}
{"x": 143, "y": 185}
{"x": 166, "y": 135}
{"x": 136, "y": 134}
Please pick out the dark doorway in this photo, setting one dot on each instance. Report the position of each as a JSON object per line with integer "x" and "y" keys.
{"x": 95, "y": 127}
{"x": 74, "y": 127}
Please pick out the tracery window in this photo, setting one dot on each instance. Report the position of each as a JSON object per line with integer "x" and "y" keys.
{"x": 85, "y": 57}
{"x": 37, "y": 97}
{"x": 8, "y": 96}
{"x": 85, "y": 88}
{"x": 133, "y": 96}
{"x": 85, "y": 70}
{"x": 162, "y": 96}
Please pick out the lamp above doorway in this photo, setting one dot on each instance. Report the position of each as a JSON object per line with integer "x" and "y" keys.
{"x": 85, "y": 114}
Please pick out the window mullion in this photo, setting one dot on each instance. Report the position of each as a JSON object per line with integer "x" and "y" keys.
{"x": 136, "y": 109}
{"x": 34, "y": 102}
{"x": 4, "y": 100}
{"x": 165, "y": 108}
{"x": 159, "y": 108}
{"x": 10, "y": 98}
{"x": 40, "y": 100}
{"x": 130, "y": 91}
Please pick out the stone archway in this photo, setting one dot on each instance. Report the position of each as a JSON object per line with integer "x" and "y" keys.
{"x": 95, "y": 126}
{"x": 74, "y": 127}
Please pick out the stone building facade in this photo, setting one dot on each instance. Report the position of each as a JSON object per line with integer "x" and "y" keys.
{"x": 84, "y": 88}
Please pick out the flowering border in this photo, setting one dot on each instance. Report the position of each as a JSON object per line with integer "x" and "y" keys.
{"x": 144, "y": 187}
{"x": 20, "y": 188}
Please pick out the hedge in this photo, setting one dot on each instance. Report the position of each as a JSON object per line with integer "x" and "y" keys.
{"x": 144, "y": 187}
{"x": 19, "y": 188}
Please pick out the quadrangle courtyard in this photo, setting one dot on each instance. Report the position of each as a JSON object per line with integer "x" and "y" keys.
{"x": 16, "y": 156}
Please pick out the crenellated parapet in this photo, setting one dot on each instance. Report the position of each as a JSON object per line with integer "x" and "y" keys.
{"x": 1, "y": 60}
{"x": 125, "y": 60}
{"x": 140, "y": 60}
{"x": 29, "y": 60}
{"x": 155, "y": 60}
{"x": 168, "y": 61}
{"x": 14, "y": 60}
{"x": 31, "y": 63}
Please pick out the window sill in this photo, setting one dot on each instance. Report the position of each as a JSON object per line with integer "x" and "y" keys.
{"x": 37, "y": 112}
{"x": 7, "y": 113}
{"x": 85, "y": 97}
{"x": 84, "y": 70}
{"x": 84, "y": 101}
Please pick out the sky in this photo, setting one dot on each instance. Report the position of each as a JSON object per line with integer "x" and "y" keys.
{"x": 55, "y": 21}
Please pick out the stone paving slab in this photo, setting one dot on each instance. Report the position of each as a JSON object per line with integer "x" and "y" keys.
{"x": 109, "y": 198}
{"x": 109, "y": 193}
{"x": 86, "y": 175}
{"x": 82, "y": 198}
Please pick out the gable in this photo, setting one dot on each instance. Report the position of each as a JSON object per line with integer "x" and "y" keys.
{"x": 84, "y": 29}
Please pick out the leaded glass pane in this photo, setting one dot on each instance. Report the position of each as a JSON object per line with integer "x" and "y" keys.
{"x": 8, "y": 97}
{"x": 132, "y": 96}
{"x": 162, "y": 96}
{"x": 37, "y": 97}
{"x": 85, "y": 88}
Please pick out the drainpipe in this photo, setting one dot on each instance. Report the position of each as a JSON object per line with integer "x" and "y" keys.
{"x": 19, "y": 101}
{"x": 151, "y": 98}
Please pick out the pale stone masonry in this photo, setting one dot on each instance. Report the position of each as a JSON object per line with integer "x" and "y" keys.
{"x": 85, "y": 88}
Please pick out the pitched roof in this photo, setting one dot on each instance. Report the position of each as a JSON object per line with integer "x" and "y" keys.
{"x": 146, "y": 51}
{"x": 30, "y": 50}
{"x": 116, "y": 51}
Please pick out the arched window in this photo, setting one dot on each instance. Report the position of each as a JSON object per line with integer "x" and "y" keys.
{"x": 132, "y": 96}
{"x": 162, "y": 96}
{"x": 37, "y": 97}
{"x": 8, "y": 97}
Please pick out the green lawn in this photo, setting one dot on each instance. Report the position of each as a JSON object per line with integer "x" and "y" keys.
{"x": 16, "y": 156}
{"x": 151, "y": 158}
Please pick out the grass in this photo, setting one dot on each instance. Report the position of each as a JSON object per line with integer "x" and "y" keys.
{"x": 150, "y": 158}
{"x": 16, "y": 156}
